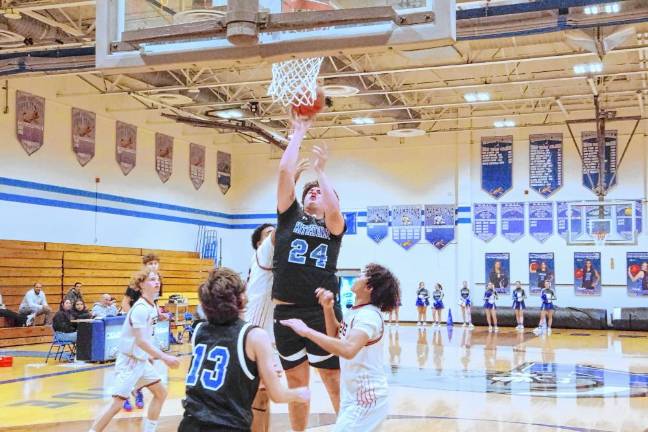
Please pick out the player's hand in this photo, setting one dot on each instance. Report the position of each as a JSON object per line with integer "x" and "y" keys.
{"x": 302, "y": 394}
{"x": 171, "y": 361}
{"x": 302, "y": 166}
{"x": 325, "y": 297}
{"x": 300, "y": 125}
{"x": 296, "y": 325}
{"x": 321, "y": 157}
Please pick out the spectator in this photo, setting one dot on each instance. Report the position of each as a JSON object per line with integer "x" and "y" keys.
{"x": 80, "y": 311}
{"x": 64, "y": 329}
{"x": 75, "y": 293}
{"x": 19, "y": 320}
{"x": 105, "y": 307}
{"x": 34, "y": 303}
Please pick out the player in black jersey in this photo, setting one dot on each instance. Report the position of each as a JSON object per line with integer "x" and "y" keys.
{"x": 229, "y": 359}
{"x": 307, "y": 244}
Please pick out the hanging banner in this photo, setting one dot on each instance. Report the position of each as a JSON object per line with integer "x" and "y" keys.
{"x": 485, "y": 221}
{"x": 591, "y": 160}
{"x": 546, "y": 163}
{"x": 126, "y": 146}
{"x": 576, "y": 220}
{"x": 498, "y": 271}
{"x": 637, "y": 270}
{"x": 163, "y": 156}
{"x": 541, "y": 220}
{"x": 512, "y": 220}
{"x": 224, "y": 171}
{"x": 497, "y": 164}
{"x": 439, "y": 224}
{"x": 541, "y": 272}
{"x": 377, "y": 222}
{"x": 587, "y": 273}
{"x": 84, "y": 125}
{"x": 624, "y": 219}
{"x": 562, "y": 219}
{"x": 351, "y": 221}
{"x": 197, "y": 165}
{"x": 30, "y": 121}
{"x": 406, "y": 225}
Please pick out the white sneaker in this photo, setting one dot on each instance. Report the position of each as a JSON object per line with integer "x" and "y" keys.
{"x": 537, "y": 331}
{"x": 418, "y": 323}
{"x": 549, "y": 331}
{"x": 30, "y": 320}
{"x": 471, "y": 326}
{"x": 490, "y": 329}
{"x": 464, "y": 325}
{"x": 496, "y": 329}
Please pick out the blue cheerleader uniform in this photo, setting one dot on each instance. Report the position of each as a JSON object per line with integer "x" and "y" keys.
{"x": 547, "y": 297}
{"x": 438, "y": 299}
{"x": 465, "y": 297}
{"x": 422, "y": 298}
{"x": 489, "y": 299}
{"x": 518, "y": 299}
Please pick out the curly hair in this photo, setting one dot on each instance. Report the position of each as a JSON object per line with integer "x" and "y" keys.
{"x": 221, "y": 296}
{"x": 385, "y": 286}
{"x": 150, "y": 257}
{"x": 139, "y": 277}
{"x": 256, "y": 235}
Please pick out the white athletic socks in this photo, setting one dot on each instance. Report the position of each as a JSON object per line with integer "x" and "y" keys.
{"x": 149, "y": 425}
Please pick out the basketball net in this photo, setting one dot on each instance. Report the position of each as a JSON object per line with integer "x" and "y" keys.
{"x": 294, "y": 82}
{"x": 599, "y": 238}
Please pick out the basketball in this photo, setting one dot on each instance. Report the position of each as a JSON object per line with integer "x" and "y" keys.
{"x": 628, "y": 211}
{"x": 634, "y": 269}
{"x": 310, "y": 111}
{"x": 579, "y": 274}
{"x": 533, "y": 267}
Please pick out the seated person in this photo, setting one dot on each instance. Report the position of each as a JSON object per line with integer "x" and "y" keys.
{"x": 64, "y": 329}
{"x": 80, "y": 311}
{"x": 75, "y": 293}
{"x": 34, "y": 303}
{"x": 104, "y": 308}
{"x": 19, "y": 320}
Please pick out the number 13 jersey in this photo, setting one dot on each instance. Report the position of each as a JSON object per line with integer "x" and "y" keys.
{"x": 305, "y": 257}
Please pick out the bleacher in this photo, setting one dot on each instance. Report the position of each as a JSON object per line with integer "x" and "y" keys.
{"x": 101, "y": 269}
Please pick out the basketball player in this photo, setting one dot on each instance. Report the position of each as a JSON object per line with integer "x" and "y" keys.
{"x": 641, "y": 274}
{"x": 133, "y": 368}
{"x": 230, "y": 357}
{"x": 518, "y": 305}
{"x": 591, "y": 276}
{"x": 358, "y": 341}
{"x": 547, "y": 296}
{"x": 307, "y": 245}
{"x": 465, "y": 303}
{"x": 490, "y": 296}
{"x": 422, "y": 302}
{"x": 437, "y": 304}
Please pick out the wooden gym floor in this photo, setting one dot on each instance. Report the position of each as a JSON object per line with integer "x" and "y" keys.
{"x": 441, "y": 380}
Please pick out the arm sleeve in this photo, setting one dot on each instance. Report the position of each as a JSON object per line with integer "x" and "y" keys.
{"x": 138, "y": 316}
{"x": 368, "y": 322}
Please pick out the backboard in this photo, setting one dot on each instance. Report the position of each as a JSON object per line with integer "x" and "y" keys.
{"x": 135, "y": 33}
{"x": 602, "y": 222}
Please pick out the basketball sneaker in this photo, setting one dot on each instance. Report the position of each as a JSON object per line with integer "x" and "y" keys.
{"x": 139, "y": 399}
{"x": 127, "y": 406}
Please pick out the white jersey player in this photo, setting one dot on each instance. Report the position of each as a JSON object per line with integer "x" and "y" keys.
{"x": 363, "y": 380}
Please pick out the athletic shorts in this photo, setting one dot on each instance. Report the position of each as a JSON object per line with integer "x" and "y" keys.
{"x": 132, "y": 374}
{"x": 356, "y": 418}
{"x": 190, "y": 424}
{"x": 294, "y": 349}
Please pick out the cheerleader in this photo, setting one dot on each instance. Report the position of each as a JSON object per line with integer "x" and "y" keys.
{"x": 437, "y": 305}
{"x": 422, "y": 302}
{"x": 465, "y": 305}
{"x": 518, "y": 305}
{"x": 548, "y": 296}
{"x": 490, "y": 296}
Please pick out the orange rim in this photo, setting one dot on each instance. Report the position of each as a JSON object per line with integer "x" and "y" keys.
{"x": 296, "y": 5}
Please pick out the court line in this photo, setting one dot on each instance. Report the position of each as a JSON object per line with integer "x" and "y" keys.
{"x": 53, "y": 374}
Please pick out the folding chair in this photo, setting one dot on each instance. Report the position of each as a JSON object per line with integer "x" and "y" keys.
{"x": 61, "y": 349}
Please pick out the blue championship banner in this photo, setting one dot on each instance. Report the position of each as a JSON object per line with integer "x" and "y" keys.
{"x": 576, "y": 220}
{"x": 546, "y": 163}
{"x": 587, "y": 273}
{"x": 637, "y": 269}
{"x": 541, "y": 220}
{"x": 377, "y": 222}
{"x": 497, "y": 165}
{"x": 406, "y": 225}
{"x": 591, "y": 160}
{"x": 541, "y": 272}
{"x": 624, "y": 220}
{"x": 439, "y": 224}
{"x": 498, "y": 271}
{"x": 512, "y": 220}
{"x": 351, "y": 221}
{"x": 485, "y": 221}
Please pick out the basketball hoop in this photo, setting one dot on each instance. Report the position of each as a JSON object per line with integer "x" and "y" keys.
{"x": 599, "y": 238}
{"x": 294, "y": 82}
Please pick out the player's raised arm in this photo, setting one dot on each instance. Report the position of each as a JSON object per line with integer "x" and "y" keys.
{"x": 288, "y": 165}
{"x": 330, "y": 202}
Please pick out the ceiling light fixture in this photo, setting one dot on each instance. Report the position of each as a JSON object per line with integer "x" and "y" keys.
{"x": 477, "y": 97}
{"x": 588, "y": 68}
{"x": 503, "y": 123}
{"x": 230, "y": 114}
{"x": 363, "y": 121}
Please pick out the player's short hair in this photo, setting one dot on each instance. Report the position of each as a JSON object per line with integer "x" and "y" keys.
{"x": 150, "y": 257}
{"x": 385, "y": 293}
{"x": 221, "y": 296}
{"x": 256, "y": 235}
{"x": 140, "y": 277}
